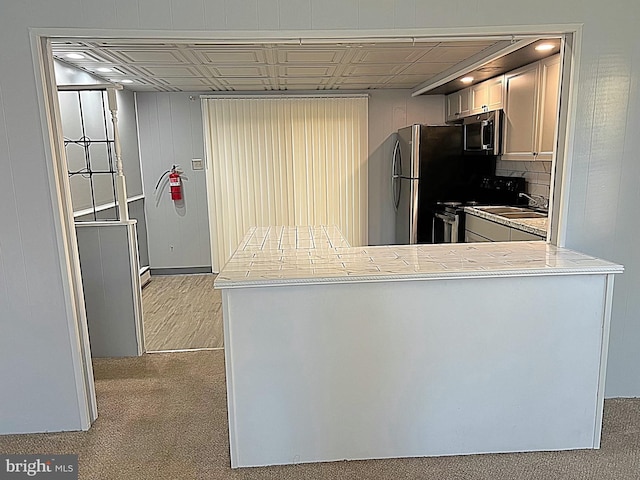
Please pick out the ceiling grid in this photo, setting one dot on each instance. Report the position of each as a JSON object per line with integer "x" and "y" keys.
{"x": 147, "y": 65}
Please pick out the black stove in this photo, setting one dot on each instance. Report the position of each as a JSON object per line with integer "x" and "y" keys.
{"x": 448, "y": 216}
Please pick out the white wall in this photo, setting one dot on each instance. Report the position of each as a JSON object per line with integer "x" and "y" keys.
{"x": 170, "y": 128}
{"x": 36, "y": 346}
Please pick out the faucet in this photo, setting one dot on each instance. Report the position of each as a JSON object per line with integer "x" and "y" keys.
{"x": 536, "y": 201}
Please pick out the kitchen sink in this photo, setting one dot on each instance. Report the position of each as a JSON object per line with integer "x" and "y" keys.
{"x": 523, "y": 214}
{"x": 503, "y": 210}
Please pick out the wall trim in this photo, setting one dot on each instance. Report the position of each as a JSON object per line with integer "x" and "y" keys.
{"x": 59, "y": 188}
{"x": 67, "y": 245}
{"x": 494, "y": 32}
{"x": 181, "y": 271}
{"x": 106, "y": 206}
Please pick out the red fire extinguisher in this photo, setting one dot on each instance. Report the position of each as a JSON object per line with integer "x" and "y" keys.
{"x": 176, "y": 185}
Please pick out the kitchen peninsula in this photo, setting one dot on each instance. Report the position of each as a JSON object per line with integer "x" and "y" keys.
{"x": 336, "y": 352}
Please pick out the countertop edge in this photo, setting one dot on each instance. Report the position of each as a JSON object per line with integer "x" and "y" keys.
{"x": 538, "y": 272}
{"x": 509, "y": 222}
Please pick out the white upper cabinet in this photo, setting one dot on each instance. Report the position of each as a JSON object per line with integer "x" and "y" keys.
{"x": 487, "y": 96}
{"x": 520, "y": 114}
{"x": 458, "y": 104}
{"x": 548, "y": 107}
{"x": 531, "y": 111}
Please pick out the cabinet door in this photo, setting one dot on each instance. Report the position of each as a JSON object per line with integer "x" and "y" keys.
{"x": 548, "y": 108}
{"x": 479, "y": 98}
{"x": 453, "y": 106}
{"x": 492, "y": 231}
{"x": 520, "y": 114}
{"x": 495, "y": 93}
{"x": 465, "y": 102}
{"x": 470, "y": 237}
{"x": 519, "y": 236}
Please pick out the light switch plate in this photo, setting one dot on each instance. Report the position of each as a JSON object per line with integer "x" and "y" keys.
{"x": 196, "y": 164}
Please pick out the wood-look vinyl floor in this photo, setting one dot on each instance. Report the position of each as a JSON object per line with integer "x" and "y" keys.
{"x": 182, "y": 312}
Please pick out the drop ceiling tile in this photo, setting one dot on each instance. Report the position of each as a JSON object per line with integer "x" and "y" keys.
{"x": 150, "y": 56}
{"x": 307, "y": 71}
{"x": 239, "y": 71}
{"x": 167, "y": 72}
{"x": 389, "y": 55}
{"x": 187, "y": 82}
{"x": 175, "y": 66}
{"x": 368, "y": 79}
{"x": 230, "y": 56}
{"x": 427, "y": 68}
{"x": 309, "y": 56}
{"x": 450, "y": 54}
{"x": 364, "y": 70}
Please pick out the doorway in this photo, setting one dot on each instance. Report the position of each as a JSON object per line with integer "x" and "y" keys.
{"x": 62, "y": 186}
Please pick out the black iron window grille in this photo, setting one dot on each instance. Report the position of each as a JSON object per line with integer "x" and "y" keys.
{"x": 91, "y": 155}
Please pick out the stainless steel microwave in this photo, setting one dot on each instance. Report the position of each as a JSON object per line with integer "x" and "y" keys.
{"x": 482, "y": 133}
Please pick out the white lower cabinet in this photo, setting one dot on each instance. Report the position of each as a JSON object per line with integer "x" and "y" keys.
{"x": 481, "y": 230}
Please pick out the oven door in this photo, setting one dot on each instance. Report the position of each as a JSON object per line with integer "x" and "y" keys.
{"x": 446, "y": 227}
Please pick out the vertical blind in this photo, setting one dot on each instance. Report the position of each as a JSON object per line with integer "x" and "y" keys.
{"x": 284, "y": 161}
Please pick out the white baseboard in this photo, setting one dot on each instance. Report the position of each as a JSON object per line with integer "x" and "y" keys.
{"x": 145, "y": 276}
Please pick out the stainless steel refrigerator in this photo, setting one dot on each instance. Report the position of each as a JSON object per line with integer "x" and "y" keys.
{"x": 429, "y": 167}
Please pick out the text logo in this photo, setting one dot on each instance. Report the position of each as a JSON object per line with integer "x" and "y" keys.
{"x": 52, "y": 467}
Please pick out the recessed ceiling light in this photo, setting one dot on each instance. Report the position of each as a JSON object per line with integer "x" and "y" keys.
{"x": 125, "y": 80}
{"x": 466, "y": 79}
{"x": 545, "y": 47}
{"x": 75, "y": 56}
{"x": 104, "y": 70}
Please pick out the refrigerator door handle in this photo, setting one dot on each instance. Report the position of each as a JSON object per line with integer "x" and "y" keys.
{"x": 433, "y": 229}
{"x": 395, "y": 183}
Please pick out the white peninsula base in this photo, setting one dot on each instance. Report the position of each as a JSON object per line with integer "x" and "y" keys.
{"x": 483, "y": 360}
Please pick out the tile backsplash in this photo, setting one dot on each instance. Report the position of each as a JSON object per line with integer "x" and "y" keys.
{"x": 537, "y": 174}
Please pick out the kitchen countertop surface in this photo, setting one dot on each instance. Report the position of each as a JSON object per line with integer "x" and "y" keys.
{"x": 277, "y": 256}
{"x": 537, "y": 226}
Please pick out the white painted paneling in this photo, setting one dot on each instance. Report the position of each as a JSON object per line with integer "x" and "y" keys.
{"x": 170, "y": 128}
{"x": 412, "y": 373}
{"x": 98, "y": 12}
{"x": 110, "y": 295}
{"x": 375, "y": 13}
{"x": 127, "y": 14}
{"x": 327, "y": 14}
{"x": 187, "y": 14}
{"x": 295, "y": 14}
{"x": 155, "y": 13}
{"x": 214, "y": 14}
{"x": 35, "y": 328}
{"x": 241, "y": 14}
{"x": 404, "y": 14}
{"x": 268, "y": 14}
{"x": 35, "y": 348}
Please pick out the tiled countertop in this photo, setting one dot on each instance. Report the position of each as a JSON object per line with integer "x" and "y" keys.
{"x": 537, "y": 226}
{"x": 275, "y": 256}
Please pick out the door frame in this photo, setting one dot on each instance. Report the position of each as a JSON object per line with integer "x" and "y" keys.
{"x": 56, "y": 162}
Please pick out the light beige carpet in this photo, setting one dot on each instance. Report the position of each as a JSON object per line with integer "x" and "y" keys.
{"x": 164, "y": 416}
